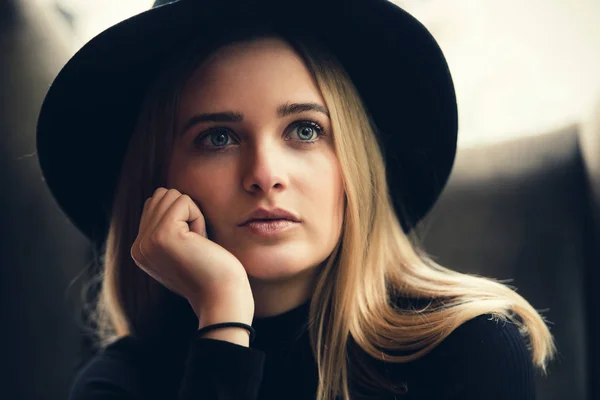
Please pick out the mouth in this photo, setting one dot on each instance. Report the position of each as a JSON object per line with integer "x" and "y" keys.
{"x": 270, "y": 228}
{"x": 266, "y": 221}
{"x": 263, "y": 215}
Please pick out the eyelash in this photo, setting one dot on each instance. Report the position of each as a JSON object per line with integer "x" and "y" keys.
{"x": 295, "y": 125}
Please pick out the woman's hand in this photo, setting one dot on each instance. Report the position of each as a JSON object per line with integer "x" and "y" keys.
{"x": 172, "y": 247}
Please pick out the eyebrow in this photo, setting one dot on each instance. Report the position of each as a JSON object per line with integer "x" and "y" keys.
{"x": 232, "y": 116}
{"x": 297, "y": 108}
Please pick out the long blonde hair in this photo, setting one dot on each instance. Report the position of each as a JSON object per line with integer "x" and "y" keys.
{"x": 373, "y": 262}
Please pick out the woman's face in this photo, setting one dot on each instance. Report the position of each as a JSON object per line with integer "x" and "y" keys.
{"x": 250, "y": 128}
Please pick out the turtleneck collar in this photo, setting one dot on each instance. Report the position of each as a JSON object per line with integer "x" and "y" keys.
{"x": 289, "y": 359}
{"x": 282, "y": 329}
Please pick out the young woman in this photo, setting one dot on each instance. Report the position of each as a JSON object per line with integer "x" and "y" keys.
{"x": 252, "y": 172}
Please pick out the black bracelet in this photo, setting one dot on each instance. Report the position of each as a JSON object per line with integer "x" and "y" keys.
{"x": 226, "y": 325}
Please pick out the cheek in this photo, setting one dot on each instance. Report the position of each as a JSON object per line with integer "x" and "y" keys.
{"x": 330, "y": 197}
{"x": 208, "y": 187}
{"x": 328, "y": 189}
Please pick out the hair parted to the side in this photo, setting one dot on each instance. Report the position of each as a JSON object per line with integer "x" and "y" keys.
{"x": 373, "y": 263}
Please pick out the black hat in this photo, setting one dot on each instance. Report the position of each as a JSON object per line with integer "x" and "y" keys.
{"x": 91, "y": 108}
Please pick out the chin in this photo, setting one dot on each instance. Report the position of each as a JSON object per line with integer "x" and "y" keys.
{"x": 261, "y": 265}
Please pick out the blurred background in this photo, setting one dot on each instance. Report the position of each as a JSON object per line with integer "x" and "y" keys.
{"x": 523, "y": 201}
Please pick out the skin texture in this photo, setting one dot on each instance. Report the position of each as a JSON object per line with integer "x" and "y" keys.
{"x": 266, "y": 163}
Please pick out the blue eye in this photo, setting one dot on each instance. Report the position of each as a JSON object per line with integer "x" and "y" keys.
{"x": 307, "y": 130}
{"x": 220, "y": 137}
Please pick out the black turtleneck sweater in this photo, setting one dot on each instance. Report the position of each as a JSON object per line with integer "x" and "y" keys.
{"x": 482, "y": 359}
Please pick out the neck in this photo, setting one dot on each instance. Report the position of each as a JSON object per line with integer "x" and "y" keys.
{"x": 273, "y": 298}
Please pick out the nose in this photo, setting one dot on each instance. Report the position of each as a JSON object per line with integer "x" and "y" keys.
{"x": 264, "y": 167}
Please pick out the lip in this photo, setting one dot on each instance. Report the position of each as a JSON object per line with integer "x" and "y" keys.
{"x": 272, "y": 214}
{"x": 270, "y": 228}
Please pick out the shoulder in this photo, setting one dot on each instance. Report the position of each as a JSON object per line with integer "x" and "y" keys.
{"x": 487, "y": 357}
{"x": 127, "y": 367}
{"x": 117, "y": 355}
{"x": 482, "y": 358}
{"x": 486, "y": 338}
{"x": 112, "y": 370}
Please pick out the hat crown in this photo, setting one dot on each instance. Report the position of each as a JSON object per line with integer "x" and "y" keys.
{"x": 395, "y": 64}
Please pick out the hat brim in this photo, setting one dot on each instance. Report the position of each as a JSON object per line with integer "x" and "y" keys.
{"x": 90, "y": 110}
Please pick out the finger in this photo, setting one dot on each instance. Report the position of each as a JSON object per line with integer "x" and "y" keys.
{"x": 149, "y": 206}
{"x": 155, "y": 207}
{"x": 181, "y": 214}
{"x": 197, "y": 225}
{"x": 157, "y": 210}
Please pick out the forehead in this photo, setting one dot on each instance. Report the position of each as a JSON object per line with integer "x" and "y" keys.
{"x": 263, "y": 68}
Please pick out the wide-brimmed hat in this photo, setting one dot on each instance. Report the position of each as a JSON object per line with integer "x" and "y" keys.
{"x": 91, "y": 108}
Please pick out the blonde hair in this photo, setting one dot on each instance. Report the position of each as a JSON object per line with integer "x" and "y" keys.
{"x": 373, "y": 262}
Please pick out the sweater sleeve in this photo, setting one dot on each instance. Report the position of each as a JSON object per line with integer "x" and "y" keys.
{"x": 217, "y": 369}
{"x": 213, "y": 370}
{"x": 496, "y": 363}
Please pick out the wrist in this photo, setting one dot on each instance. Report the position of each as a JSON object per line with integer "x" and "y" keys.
{"x": 233, "y": 334}
{"x": 234, "y": 307}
